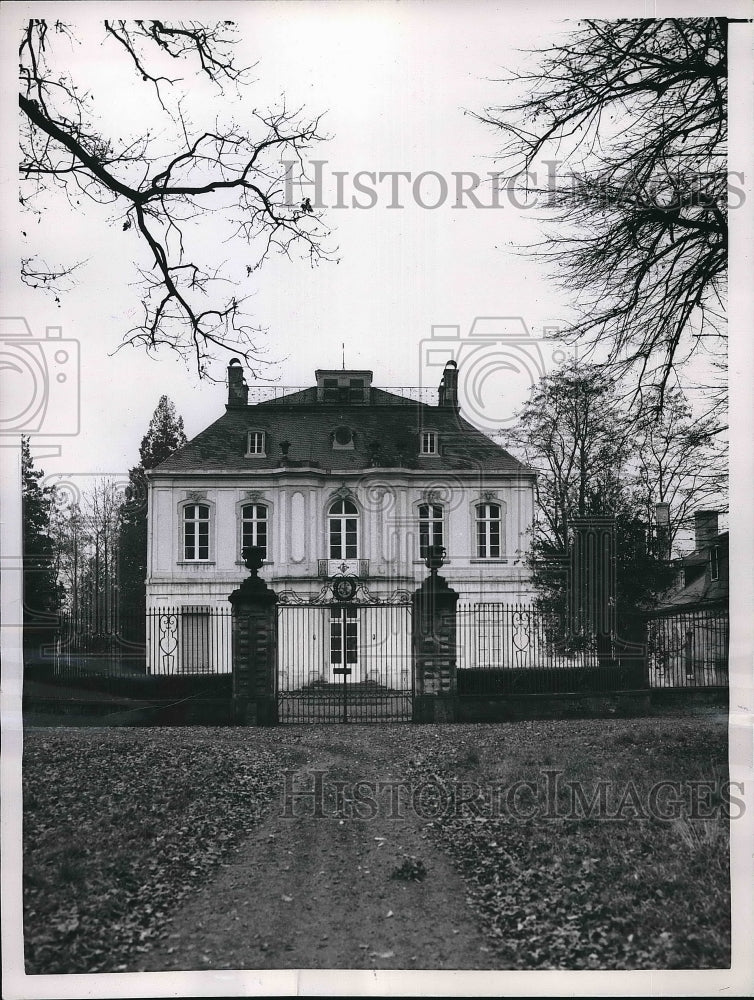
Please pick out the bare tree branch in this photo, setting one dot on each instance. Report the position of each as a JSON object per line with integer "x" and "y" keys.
{"x": 165, "y": 200}
{"x": 634, "y": 113}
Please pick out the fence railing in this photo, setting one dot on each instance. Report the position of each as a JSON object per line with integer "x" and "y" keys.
{"x": 501, "y": 648}
{"x": 298, "y": 395}
{"x": 187, "y": 640}
{"x": 508, "y": 648}
{"x": 688, "y": 648}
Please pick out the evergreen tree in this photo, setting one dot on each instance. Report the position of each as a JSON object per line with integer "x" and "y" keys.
{"x": 164, "y": 436}
{"x": 41, "y": 592}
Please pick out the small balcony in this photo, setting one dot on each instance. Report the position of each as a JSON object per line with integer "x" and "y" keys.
{"x": 327, "y": 568}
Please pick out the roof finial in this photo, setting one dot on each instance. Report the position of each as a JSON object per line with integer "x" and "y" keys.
{"x": 343, "y": 354}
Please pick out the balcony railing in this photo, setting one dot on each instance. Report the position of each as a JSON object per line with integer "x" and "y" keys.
{"x": 327, "y": 568}
{"x": 302, "y": 395}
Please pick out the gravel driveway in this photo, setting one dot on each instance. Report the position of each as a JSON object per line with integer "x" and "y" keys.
{"x": 308, "y": 891}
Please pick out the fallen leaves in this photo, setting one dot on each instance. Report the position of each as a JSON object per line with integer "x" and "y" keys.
{"x": 585, "y": 894}
{"x": 119, "y": 824}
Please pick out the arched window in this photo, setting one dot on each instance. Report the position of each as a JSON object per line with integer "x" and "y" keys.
{"x": 430, "y": 526}
{"x": 254, "y": 526}
{"x": 196, "y": 532}
{"x": 343, "y": 518}
{"x": 488, "y": 530}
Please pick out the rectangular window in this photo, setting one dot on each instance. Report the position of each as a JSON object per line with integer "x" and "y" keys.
{"x": 254, "y": 526}
{"x": 428, "y": 443}
{"x": 256, "y": 443}
{"x": 488, "y": 530}
{"x": 196, "y": 532}
{"x": 195, "y": 642}
{"x": 715, "y": 562}
{"x": 344, "y": 644}
{"x": 430, "y": 527}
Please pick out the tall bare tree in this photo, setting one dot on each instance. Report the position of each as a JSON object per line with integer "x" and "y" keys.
{"x": 679, "y": 459}
{"x": 627, "y": 119}
{"x": 163, "y": 185}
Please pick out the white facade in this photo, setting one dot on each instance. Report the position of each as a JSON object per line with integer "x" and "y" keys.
{"x": 297, "y": 503}
{"x": 341, "y": 513}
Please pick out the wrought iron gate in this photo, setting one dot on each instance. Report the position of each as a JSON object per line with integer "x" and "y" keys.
{"x": 344, "y": 662}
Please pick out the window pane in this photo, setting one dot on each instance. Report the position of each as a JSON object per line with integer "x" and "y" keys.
{"x": 261, "y": 540}
{"x": 204, "y": 539}
{"x": 188, "y": 537}
{"x": 481, "y": 540}
{"x": 350, "y": 538}
{"x": 335, "y": 637}
{"x": 335, "y": 540}
{"x": 423, "y": 538}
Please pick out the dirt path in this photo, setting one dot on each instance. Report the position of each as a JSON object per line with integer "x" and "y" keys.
{"x": 318, "y": 892}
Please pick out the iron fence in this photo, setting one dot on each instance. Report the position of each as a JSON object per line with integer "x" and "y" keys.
{"x": 177, "y": 641}
{"x": 501, "y": 649}
{"x": 344, "y": 663}
{"x": 515, "y": 648}
{"x": 299, "y": 395}
{"x": 688, "y": 648}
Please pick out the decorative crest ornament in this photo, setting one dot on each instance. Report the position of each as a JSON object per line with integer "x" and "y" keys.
{"x": 344, "y": 588}
{"x": 489, "y": 495}
{"x": 343, "y": 492}
{"x": 254, "y": 495}
{"x": 196, "y": 495}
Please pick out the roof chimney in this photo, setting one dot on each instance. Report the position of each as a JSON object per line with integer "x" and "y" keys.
{"x": 447, "y": 393}
{"x": 705, "y": 527}
{"x": 238, "y": 390}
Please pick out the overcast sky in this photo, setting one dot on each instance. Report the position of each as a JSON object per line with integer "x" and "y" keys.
{"x": 395, "y": 81}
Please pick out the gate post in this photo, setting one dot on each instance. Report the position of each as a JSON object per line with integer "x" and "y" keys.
{"x": 254, "y": 638}
{"x": 434, "y": 646}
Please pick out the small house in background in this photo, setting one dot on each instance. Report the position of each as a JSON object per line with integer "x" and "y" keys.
{"x": 340, "y": 479}
{"x": 689, "y": 631}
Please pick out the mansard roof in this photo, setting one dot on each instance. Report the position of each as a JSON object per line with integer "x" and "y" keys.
{"x": 385, "y": 434}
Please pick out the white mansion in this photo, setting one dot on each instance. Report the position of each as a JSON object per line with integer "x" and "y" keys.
{"x": 341, "y": 478}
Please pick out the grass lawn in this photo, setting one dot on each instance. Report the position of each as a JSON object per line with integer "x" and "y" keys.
{"x": 120, "y": 824}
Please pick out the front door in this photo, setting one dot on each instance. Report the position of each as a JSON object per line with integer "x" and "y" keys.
{"x": 344, "y": 642}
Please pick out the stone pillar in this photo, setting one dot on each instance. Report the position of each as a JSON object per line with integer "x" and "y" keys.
{"x": 254, "y": 636}
{"x": 435, "y": 651}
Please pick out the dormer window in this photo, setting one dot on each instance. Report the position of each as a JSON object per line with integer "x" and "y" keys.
{"x": 429, "y": 443}
{"x": 256, "y": 444}
{"x": 330, "y": 394}
{"x": 344, "y": 386}
{"x": 342, "y": 438}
